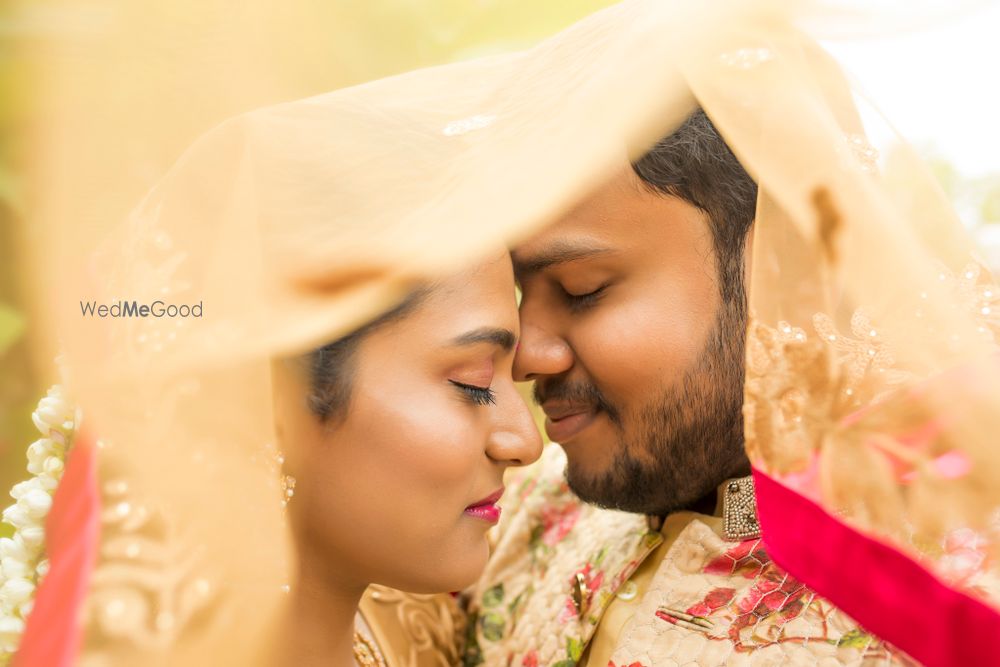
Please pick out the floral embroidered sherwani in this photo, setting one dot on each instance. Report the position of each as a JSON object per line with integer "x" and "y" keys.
{"x": 571, "y": 584}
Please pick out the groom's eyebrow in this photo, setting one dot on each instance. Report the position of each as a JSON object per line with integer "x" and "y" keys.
{"x": 559, "y": 252}
{"x": 502, "y": 338}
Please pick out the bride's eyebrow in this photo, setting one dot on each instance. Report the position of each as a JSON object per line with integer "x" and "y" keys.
{"x": 502, "y": 338}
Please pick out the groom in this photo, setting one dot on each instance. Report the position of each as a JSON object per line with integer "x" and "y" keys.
{"x": 635, "y": 542}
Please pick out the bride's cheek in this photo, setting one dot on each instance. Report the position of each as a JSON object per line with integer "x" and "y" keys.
{"x": 453, "y": 448}
{"x": 426, "y": 433}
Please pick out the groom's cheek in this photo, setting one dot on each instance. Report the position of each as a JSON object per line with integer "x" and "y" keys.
{"x": 631, "y": 348}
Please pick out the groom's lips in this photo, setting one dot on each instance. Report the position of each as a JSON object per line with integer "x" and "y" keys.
{"x": 564, "y": 420}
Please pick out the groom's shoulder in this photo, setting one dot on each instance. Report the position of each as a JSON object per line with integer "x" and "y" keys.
{"x": 548, "y": 532}
{"x": 547, "y": 542}
{"x": 532, "y": 488}
{"x": 538, "y": 498}
{"x": 546, "y": 477}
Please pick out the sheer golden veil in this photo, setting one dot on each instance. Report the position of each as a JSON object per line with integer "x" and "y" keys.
{"x": 290, "y": 225}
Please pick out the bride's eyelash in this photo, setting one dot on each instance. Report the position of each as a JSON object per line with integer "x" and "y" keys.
{"x": 478, "y": 395}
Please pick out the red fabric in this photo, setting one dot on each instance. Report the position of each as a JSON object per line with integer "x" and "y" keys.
{"x": 72, "y": 533}
{"x": 886, "y": 592}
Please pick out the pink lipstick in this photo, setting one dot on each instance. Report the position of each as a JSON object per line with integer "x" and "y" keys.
{"x": 487, "y": 508}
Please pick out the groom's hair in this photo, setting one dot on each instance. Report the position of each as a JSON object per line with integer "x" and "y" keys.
{"x": 332, "y": 367}
{"x": 695, "y": 164}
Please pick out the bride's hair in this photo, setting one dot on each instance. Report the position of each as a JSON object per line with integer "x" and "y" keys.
{"x": 331, "y": 367}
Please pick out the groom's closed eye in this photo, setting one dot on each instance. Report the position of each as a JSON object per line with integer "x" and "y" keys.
{"x": 529, "y": 264}
{"x": 581, "y": 300}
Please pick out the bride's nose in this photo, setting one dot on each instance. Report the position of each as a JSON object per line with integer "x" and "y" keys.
{"x": 515, "y": 439}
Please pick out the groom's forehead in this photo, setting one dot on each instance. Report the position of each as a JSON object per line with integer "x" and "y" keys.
{"x": 601, "y": 224}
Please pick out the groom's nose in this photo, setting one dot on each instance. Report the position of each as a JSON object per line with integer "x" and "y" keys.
{"x": 540, "y": 353}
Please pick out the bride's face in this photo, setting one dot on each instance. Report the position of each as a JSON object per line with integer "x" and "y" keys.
{"x": 397, "y": 485}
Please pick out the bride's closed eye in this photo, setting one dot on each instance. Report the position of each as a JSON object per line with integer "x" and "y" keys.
{"x": 473, "y": 377}
{"x": 476, "y": 394}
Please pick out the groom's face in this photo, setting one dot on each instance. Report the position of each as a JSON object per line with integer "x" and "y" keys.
{"x": 636, "y": 359}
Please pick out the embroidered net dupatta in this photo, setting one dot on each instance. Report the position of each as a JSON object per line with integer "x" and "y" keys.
{"x": 872, "y": 393}
{"x": 293, "y": 224}
{"x": 290, "y": 226}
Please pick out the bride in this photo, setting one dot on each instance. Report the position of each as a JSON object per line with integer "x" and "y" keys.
{"x": 394, "y": 441}
{"x": 398, "y": 436}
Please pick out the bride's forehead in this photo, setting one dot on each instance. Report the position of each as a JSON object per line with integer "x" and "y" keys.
{"x": 491, "y": 273}
{"x": 485, "y": 291}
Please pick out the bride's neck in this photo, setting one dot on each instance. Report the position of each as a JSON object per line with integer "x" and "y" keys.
{"x": 319, "y": 627}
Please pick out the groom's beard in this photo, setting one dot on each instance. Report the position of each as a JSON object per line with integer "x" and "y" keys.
{"x": 678, "y": 447}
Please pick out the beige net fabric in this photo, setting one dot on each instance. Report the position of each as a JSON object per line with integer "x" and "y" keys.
{"x": 287, "y": 227}
{"x": 292, "y": 224}
{"x": 872, "y": 352}
{"x": 872, "y": 386}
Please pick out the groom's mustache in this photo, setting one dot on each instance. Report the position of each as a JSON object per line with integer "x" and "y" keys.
{"x": 582, "y": 394}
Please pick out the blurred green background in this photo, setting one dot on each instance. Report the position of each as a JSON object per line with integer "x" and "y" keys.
{"x": 366, "y": 40}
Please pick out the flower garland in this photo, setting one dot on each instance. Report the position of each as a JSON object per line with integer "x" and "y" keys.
{"x": 22, "y": 556}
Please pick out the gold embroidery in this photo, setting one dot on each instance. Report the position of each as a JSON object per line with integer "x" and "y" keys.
{"x": 430, "y": 625}
{"x": 807, "y": 411}
{"x": 366, "y": 653}
{"x": 149, "y": 584}
{"x": 800, "y": 388}
{"x": 581, "y": 593}
{"x": 739, "y": 510}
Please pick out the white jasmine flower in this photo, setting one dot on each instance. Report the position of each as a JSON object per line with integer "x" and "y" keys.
{"x": 15, "y": 591}
{"x": 14, "y": 567}
{"x": 53, "y": 466}
{"x": 40, "y": 424}
{"x": 7, "y": 608}
{"x": 47, "y": 482}
{"x": 36, "y": 503}
{"x": 22, "y": 562}
{"x": 18, "y": 517}
{"x": 33, "y": 536}
{"x": 52, "y": 412}
{"x": 21, "y": 488}
{"x": 12, "y": 547}
{"x": 40, "y": 450}
{"x": 48, "y": 414}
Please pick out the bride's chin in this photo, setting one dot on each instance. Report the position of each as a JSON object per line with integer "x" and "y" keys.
{"x": 455, "y": 570}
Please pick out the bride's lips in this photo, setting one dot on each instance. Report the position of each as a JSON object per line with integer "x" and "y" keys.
{"x": 564, "y": 421}
{"x": 487, "y": 508}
